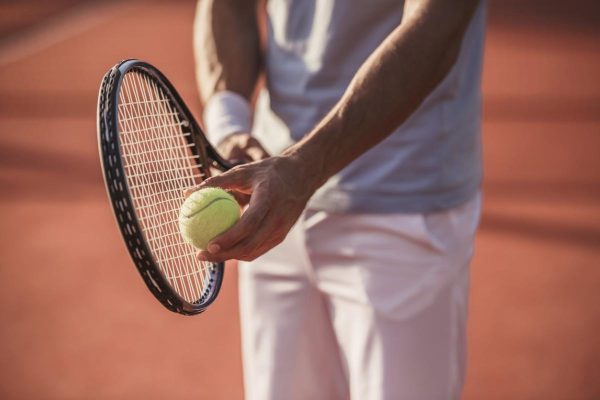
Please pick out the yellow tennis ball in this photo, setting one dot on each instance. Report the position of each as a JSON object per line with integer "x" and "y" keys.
{"x": 205, "y": 214}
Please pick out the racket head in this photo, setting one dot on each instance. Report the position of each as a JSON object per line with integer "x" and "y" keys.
{"x": 151, "y": 149}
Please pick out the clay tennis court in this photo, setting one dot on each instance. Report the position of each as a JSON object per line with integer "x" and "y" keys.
{"x": 77, "y": 322}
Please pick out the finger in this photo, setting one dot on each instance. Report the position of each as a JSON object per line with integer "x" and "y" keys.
{"x": 259, "y": 242}
{"x": 234, "y": 179}
{"x": 241, "y": 198}
{"x": 269, "y": 236}
{"x": 251, "y": 220}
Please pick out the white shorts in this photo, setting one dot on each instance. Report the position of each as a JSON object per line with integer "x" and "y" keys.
{"x": 361, "y": 307}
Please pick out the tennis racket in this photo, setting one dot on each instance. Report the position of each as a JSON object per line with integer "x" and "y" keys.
{"x": 151, "y": 150}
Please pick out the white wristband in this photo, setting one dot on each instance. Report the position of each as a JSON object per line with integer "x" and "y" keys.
{"x": 226, "y": 113}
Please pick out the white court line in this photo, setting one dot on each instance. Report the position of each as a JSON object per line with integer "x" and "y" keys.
{"x": 61, "y": 27}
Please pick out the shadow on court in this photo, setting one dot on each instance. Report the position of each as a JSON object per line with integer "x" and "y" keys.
{"x": 77, "y": 321}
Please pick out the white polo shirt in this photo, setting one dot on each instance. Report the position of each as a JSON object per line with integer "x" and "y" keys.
{"x": 431, "y": 162}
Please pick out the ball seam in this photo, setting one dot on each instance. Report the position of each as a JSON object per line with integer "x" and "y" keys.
{"x": 196, "y": 212}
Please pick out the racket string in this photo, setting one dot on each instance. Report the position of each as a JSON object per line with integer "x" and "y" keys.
{"x": 141, "y": 116}
{"x": 129, "y": 91}
{"x": 131, "y": 103}
{"x": 159, "y": 166}
{"x": 143, "y": 130}
{"x": 168, "y": 181}
{"x": 191, "y": 259}
{"x": 169, "y": 137}
{"x": 145, "y": 141}
{"x": 164, "y": 247}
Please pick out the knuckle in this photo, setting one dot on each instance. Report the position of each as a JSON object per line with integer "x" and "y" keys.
{"x": 252, "y": 219}
{"x": 239, "y": 172}
{"x": 210, "y": 181}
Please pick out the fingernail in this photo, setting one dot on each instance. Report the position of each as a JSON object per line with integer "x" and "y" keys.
{"x": 213, "y": 248}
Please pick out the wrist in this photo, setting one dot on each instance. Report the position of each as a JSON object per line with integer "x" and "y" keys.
{"x": 309, "y": 163}
{"x": 320, "y": 153}
{"x": 226, "y": 113}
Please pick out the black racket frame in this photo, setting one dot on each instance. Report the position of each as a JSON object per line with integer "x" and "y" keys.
{"x": 118, "y": 190}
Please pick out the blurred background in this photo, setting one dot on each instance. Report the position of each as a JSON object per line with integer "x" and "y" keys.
{"x": 76, "y": 320}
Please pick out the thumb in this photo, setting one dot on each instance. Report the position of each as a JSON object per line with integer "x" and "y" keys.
{"x": 235, "y": 179}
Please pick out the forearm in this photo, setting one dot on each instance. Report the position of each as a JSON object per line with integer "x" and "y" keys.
{"x": 388, "y": 87}
{"x": 227, "y": 47}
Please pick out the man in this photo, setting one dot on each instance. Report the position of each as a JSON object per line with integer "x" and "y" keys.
{"x": 360, "y": 226}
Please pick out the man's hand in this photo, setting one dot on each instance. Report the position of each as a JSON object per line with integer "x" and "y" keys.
{"x": 386, "y": 90}
{"x": 279, "y": 190}
{"x": 242, "y": 147}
